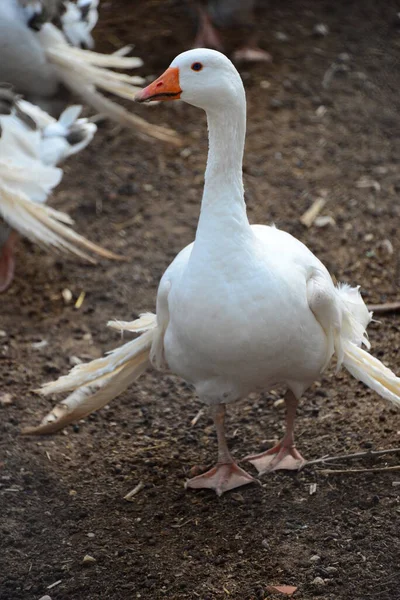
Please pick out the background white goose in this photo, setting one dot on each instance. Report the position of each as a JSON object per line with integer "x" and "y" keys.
{"x": 78, "y": 20}
{"x": 37, "y": 58}
{"x": 242, "y": 309}
{"x": 31, "y": 144}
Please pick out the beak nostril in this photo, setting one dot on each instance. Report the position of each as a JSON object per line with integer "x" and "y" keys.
{"x": 164, "y": 88}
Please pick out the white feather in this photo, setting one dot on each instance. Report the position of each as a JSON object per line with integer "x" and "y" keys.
{"x": 45, "y": 226}
{"x": 28, "y": 176}
{"x": 368, "y": 369}
{"x": 76, "y": 29}
{"x": 95, "y": 384}
{"x": 84, "y": 72}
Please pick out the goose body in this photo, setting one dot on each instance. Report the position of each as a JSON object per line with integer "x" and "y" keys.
{"x": 23, "y": 61}
{"x": 253, "y": 309}
{"x": 241, "y": 309}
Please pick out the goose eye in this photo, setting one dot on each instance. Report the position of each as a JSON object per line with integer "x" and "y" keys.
{"x": 197, "y": 66}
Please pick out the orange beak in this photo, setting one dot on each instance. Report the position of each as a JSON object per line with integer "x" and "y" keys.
{"x": 162, "y": 89}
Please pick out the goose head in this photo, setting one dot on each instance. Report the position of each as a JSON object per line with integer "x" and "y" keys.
{"x": 201, "y": 77}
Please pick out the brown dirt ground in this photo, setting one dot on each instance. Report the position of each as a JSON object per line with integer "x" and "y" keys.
{"x": 142, "y": 199}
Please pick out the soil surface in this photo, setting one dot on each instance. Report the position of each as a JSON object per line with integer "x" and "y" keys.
{"x": 323, "y": 120}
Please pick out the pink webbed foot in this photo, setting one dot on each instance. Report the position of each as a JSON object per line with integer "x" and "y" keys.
{"x": 221, "y": 478}
{"x": 251, "y": 54}
{"x": 279, "y": 457}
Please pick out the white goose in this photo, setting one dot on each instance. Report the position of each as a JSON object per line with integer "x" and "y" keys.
{"x": 32, "y": 143}
{"x": 242, "y": 309}
{"x": 41, "y": 62}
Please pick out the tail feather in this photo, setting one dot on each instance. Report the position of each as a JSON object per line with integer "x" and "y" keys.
{"x": 368, "y": 369}
{"x": 89, "y": 398}
{"x": 95, "y": 384}
{"x": 118, "y": 113}
{"x": 146, "y": 322}
{"x": 83, "y": 71}
{"x": 45, "y": 226}
{"x": 348, "y": 340}
{"x": 355, "y": 318}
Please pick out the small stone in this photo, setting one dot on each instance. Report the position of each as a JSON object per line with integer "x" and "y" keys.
{"x": 90, "y": 535}
{"x": 74, "y": 360}
{"x": 318, "y": 581}
{"x": 67, "y": 295}
{"x": 186, "y": 152}
{"x": 281, "y": 36}
{"x": 6, "y": 399}
{"x": 313, "y": 489}
{"x": 88, "y": 560}
{"x": 265, "y": 544}
{"x": 45, "y": 598}
{"x": 39, "y": 345}
{"x": 315, "y": 558}
{"x": 279, "y": 403}
{"x": 240, "y": 552}
{"x": 387, "y": 246}
{"x": 238, "y": 497}
{"x": 331, "y": 569}
{"x": 275, "y": 103}
{"x": 320, "y": 30}
{"x": 324, "y": 221}
{"x": 321, "y": 111}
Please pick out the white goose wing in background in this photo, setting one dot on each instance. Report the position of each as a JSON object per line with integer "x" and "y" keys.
{"x": 78, "y": 21}
{"x": 38, "y": 59}
{"x": 29, "y": 151}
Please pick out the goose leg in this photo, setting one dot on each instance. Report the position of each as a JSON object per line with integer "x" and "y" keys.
{"x": 226, "y": 475}
{"x": 207, "y": 36}
{"x": 284, "y": 455}
{"x": 7, "y": 261}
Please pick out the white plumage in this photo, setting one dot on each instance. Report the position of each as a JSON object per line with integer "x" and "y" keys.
{"x": 78, "y": 21}
{"x": 244, "y": 308}
{"x": 32, "y": 143}
{"x": 39, "y": 58}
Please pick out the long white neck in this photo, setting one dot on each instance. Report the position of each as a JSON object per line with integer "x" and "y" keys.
{"x": 223, "y": 209}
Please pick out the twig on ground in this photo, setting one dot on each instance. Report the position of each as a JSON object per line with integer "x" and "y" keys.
{"x": 311, "y": 213}
{"x": 368, "y": 454}
{"x": 49, "y": 587}
{"x": 195, "y": 419}
{"x": 384, "y": 308}
{"x": 130, "y": 495}
{"x": 343, "y": 471}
